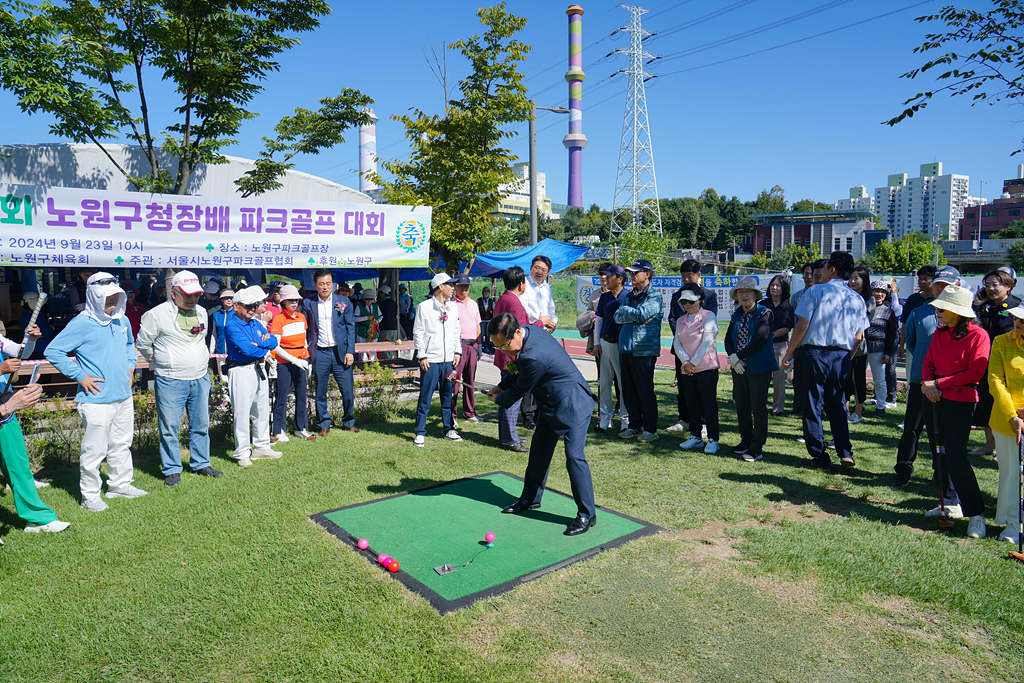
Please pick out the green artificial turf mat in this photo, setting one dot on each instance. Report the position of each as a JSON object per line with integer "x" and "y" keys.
{"x": 446, "y": 523}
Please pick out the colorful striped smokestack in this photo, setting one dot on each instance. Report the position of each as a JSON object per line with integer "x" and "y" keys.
{"x": 575, "y": 141}
{"x": 368, "y": 152}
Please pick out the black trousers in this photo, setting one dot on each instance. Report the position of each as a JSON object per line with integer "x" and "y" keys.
{"x": 954, "y": 431}
{"x": 638, "y": 391}
{"x": 919, "y": 415}
{"x": 542, "y": 449}
{"x": 857, "y": 385}
{"x": 701, "y": 390}
{"x": 797, "y": 391}
{"x": 751, "y": 395}
{"x": 684, "y": 414}
{"x": 528, "y": 411}
{"x": 890, "y": 379}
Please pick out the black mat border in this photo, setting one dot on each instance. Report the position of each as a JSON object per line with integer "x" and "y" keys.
{"x": 444, "y": 606}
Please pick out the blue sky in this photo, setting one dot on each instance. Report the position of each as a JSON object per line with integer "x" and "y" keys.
{"x": 806, "y": 116}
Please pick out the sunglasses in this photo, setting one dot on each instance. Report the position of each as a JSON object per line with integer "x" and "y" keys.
{"x": 251, "y": 307}
{"x": 105, "y": 281}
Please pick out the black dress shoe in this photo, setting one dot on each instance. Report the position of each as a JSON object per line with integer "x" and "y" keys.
{"x": 518, "y": 506}
{"x": 517, "y": 447}
{"x": 580, "y": 525}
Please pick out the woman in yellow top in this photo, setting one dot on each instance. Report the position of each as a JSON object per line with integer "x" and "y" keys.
{"x": 289, "y": 326}
{"x": 1006, "y": 383}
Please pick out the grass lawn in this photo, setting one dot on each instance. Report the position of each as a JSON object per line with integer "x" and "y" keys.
{"x": 767, "y": 573}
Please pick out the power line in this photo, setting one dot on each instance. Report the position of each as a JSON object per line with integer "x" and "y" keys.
{"x": 794, "y": 42}
{"x": 752, "y": 32}
{"x": 700, "y": 20}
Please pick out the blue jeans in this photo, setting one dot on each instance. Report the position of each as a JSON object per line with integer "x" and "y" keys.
{"x": 327, "y": 364}
{"x": 437, "y": 372}
{"x": 174, "y": 397}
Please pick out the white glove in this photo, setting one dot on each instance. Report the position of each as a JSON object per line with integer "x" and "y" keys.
{"x": 734, "y": 360}
{"x": 301, "y": 364}
{"x": 740, "y": 368}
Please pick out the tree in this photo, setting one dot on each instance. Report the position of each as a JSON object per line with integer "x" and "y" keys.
{"x": 736, "y": 222}
{"x": 1016, "y": 254}
{"x": 458, "y": 163}
{"x": 993, "y": 56}
{"x": 85, "y": 62}
{"x": 904, "y": 255}
{"x": 810, "y": 206}
{"x": 770, "y": 201}
{"x": 637, "y": 243}
{"x": 793, "y": 256}
{"x": 1012, "y": 231}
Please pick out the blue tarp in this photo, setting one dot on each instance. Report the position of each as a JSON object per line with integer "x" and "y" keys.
{"x": 562, "y": 256}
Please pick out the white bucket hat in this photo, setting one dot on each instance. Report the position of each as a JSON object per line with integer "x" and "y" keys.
{"x": 956, "y": 300}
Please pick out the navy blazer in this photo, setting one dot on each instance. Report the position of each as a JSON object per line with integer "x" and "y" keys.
{"x": 344, "y": 325}
{"x": 564, "y": 398}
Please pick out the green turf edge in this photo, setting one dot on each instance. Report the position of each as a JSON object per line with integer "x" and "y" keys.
{"x": 445, "y": 606}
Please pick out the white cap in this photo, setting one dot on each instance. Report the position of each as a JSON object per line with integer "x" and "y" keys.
{"x": 187, "y": 282}
{"x": 386, "y": 289}
{"x": 250, "y": 295}
{"x": 441, "y": 279}
{"x": 211, "y": 287}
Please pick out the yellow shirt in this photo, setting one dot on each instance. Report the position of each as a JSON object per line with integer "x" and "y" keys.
{"x": 1006, "y": 380}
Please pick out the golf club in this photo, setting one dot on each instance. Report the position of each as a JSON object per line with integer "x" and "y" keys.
{"x": 1019, "y": 555}
{"x": 940, "y": 451}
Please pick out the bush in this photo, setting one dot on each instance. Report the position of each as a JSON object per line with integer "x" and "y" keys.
{"x": 380, "y": 391}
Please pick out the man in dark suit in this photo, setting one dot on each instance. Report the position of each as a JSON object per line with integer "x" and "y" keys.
{"x": 564, "y": 406}
{"x": 331, "y": 340}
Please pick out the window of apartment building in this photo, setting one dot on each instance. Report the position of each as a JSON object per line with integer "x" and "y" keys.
{"x": 837, "y": 245}
{"x": 989, "y": 213}
{"x": 849, "y": 244}
{"x": 1014, "y": 212}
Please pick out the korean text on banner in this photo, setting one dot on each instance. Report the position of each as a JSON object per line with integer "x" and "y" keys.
{"x": 42, "y": 227}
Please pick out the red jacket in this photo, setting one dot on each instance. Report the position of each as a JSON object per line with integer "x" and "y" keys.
{"x": 509, "y": 303}
{"x": 958, "y": 364}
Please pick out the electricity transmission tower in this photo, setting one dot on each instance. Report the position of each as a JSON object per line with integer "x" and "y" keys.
{"x": 636, "y": 187}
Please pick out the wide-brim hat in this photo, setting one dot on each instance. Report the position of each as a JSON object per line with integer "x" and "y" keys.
{"x": 745, "y": 282}
{"x": 227, "y": 294}
{"x": 289, "y": 292}
{"x": 955, "y": 299}
{"x": 250, "y": 295}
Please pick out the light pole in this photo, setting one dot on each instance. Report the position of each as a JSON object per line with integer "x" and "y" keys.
{"x": 533, "y": 164}
{"x": 981, "y": 211}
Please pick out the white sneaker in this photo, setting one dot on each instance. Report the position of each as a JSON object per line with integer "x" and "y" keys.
{"x": 869, "y": 402}
{"x": 629, "y": 433}
{"x": 305, "y": 434}
{"x": 244, "y": 462}
{"x": 128, "y": 491}
{"x": 266, "y": 454}
{"x": 283, "y": 438}
{"x": 453, "y": 435}
{"x": 691, "y": 443}
{"x": 890, "y": 404}
{"x": 976, "y": 526}
{"x": 473, "y": 420}
{"x": 899, "y": 426}
{"x": 94, "y": 504}
{"x": 53, "y": 527}
{"x": 856, "y": 419}
{"x": 1009, "y": 533}
{"x": 678, "y": 427}
{"x": 420, "y": 441}
{"x": 952, "y": 512}
{"x": 712, "y": 447}
{"x": 647, "y": 436}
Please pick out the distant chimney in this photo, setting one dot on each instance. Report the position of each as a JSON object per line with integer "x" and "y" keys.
{"x": 1020, "y": 171}
{"x": 368, "y": 152}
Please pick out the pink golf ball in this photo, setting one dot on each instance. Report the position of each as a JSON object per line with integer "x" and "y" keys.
{"x": 489, "y": 537}
{"x": 381, "y": 558}
{"x": 363, "y": 544}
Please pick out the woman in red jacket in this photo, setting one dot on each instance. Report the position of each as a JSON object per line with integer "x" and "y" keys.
{"x": 953, "y": 367}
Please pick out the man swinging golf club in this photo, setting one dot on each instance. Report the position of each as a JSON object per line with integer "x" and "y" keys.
{"x": 564, "y": 406}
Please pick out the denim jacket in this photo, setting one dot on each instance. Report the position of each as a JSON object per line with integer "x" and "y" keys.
{"x": 636, "y": 336}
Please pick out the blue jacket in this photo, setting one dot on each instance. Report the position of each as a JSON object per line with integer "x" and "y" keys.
{"x": 564, "y": 399}
{"x": 759, "y": 353}
{"x": 344, "y": 325}
{"x": 248, "y": 341}
{"x": 105, "y": 352}
{"x": 218, "y": 321}
{"x": 636, "y": 336}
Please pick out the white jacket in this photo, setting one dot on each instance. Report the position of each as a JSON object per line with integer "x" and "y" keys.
{"x": 538, "y": 300}
{"x": 437, "y": 341}
{"x": 169, "y": 351}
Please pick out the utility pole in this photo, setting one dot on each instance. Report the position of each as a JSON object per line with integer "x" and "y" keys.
{"x": 533, "y": 164}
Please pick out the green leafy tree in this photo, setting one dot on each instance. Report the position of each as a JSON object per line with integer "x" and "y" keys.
{"x": 458, "y": 162}
{"x": 762, "y": 261}
{"x": 980, "y": 53}
{"x": 87, "y": 64}
{"x": 736, "y": 222}
{"x": 1016, "y": 254}
{"x": 637, "y": 243}
{"x": 1012, "y": 231}
{"x": 810, "y": 206}
{"x": 793, "y": 256}
{"x": 770, "y": 201}
{"x": 904, "y": 255}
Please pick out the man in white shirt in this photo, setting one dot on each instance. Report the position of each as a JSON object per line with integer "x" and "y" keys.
{"x": 538, "y": 299}
{"x": 437, "y": 335}
{"x": 172, "y": 339}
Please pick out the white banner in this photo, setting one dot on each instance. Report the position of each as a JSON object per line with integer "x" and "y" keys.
{"x": 721, "y": 284}
{"x": 45, "y": 227}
